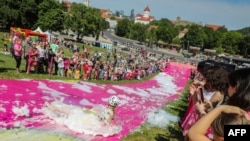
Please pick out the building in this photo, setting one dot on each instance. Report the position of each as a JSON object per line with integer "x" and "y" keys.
{"x": 214, "y": 27}
{"x": 66, "y": 3}
{"x": 144, "y": 18}
{"x": 105, "y": 13}
{"x": 112, "y": 23}
{"x": 86, "y": 3}
{"x": 180, "y": 22}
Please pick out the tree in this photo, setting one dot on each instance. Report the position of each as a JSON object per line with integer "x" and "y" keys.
{"x": 50, "y": 15}
{"x": 64, "y": 7}
{"x": 244, "y": 46}
{"x": 230, "y": 41}
{"x": 5, "y": 18}
{"x": 47, "y": 5}
{"x": 195, "y": 36}
{"x": 67, "y": 21}
{"x": 79, "y": 22}
{"x": 163, "y": 34}
{"x": 165, "y": 31}
{"x": 222, "y": 29}
{"x": 212, "y": 38}
{"x": 151, "y": 37}
{"x": 28, "y": 13}
{"x": 95, "y": 23}
{"x": 123, "y": 27}
{"x": 138, "y": 32}
{"x": 165, "y": 22}
{"x": 9, "y": 11}
{"x": 52, "y": 20}
{"x": 85, "y": 20}
{"x": 244, "y": 31}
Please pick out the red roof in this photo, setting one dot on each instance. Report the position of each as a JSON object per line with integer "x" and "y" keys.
{"x": 104, "y": 10}
{"x": 142, "y": 18}
{"x": 139, "y": 15}
{"x": 214, "y": 27}
{"x": 105, "y": 13}
{"x": 147, "y": 9}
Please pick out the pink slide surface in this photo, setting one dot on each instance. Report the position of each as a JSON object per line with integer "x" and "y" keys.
{"x": 137, "y": 100}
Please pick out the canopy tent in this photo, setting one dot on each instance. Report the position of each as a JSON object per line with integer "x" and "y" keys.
{"x": 194, "y": 48}
{"x": 49, "y": 35}
{"x": 210, "y": 50}
{"x": 29, "y": 33}
{"x": 38, "y": 29}
{"x": 162, "y": 43}
{"x": 89, "y": 39}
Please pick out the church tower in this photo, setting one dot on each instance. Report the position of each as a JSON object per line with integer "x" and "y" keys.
{"x": 86, "y": 3}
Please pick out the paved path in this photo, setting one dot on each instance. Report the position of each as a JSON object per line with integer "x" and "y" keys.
{"x": 158, "y": 51}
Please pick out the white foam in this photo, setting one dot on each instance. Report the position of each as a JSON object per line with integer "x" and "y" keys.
{"x": 161, "y": 118}
{"x": 18, "y": 94}
{"x": 111, "y": 91}
{"x": 83, "y": 87}
{"x": 165, "y": 82}
{"x": 81, "y": 120}
{"x": 3, "y": 86}
{"x": 51, "y": 91}
{"x": 85, "y": 102}
{"x": 2, "y": 109}
{"x": 21, "y": 111}
{"x": 3, "y": 124}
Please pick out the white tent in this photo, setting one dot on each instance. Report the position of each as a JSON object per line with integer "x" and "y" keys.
{"x": 38, "y": 29}
{"x": 49, "y": 35}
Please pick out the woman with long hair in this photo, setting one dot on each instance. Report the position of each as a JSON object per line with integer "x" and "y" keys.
{"x": 18, "y": 50}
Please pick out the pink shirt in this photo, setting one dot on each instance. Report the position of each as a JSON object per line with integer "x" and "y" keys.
{"x": 18, "y": 49}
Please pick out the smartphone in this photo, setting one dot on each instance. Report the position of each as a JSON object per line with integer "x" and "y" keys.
{"x": 201, "y": 94}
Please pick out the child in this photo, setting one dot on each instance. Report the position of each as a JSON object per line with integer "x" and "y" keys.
{"x": 5, "y": 46}
{"x": 60, "y": 65}
{"x": 85, "y": 70}
{"x": 77, "y": 70}
{"x": 69, "y": 72}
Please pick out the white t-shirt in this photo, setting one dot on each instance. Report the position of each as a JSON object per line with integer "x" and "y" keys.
{"x": 60, "y": 62}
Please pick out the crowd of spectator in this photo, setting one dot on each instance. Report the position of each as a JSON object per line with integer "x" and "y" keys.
{"x": 85, "y": 63}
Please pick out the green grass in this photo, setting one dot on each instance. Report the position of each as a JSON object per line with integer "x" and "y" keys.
{"x": 171, "y": 133}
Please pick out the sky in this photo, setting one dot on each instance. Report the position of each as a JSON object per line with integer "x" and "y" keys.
{"x": 234, "y": 14}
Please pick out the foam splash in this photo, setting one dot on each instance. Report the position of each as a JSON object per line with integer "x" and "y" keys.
{"x": 82, "y": 120}
{"x": 2, "y": 109}
{"x": 21, "y": 111}
{"x": 161, "y": 118}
